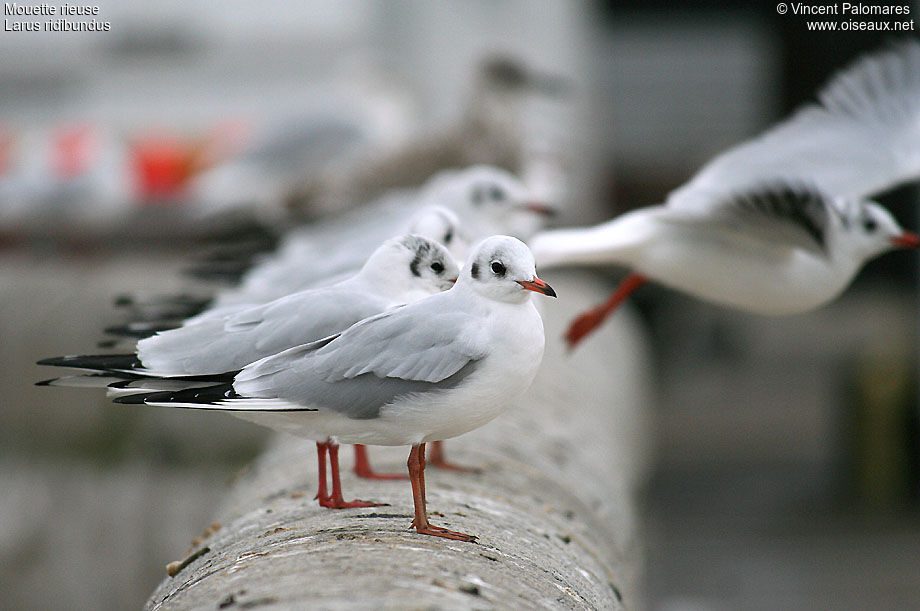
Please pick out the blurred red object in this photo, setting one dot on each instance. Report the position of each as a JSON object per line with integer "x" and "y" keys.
{"x": 163, "y": 165}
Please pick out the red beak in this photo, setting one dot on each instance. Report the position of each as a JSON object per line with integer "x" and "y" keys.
{"x": 453, "y": 280}
{"x": 538, "y": 286}
{"x": 906, "y": 240}
{"x": 540, "y": 208}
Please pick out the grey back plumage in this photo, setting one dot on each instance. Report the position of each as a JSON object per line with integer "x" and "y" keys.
{"x": 403, "y": 351}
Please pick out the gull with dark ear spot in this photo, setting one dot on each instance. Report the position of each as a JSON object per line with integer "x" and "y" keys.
{"x": 780, "y": 224}
{"x": 401, "y": 270}
{"x": 430, "y": 370}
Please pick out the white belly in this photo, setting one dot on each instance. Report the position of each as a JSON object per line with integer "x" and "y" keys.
{"x": 742, "y": 274}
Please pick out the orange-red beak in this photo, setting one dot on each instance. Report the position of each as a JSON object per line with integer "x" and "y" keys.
{"x": 907, "y": 240}
{"x": 538, "y": 286}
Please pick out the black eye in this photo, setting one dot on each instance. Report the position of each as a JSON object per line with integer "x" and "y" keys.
{"x": 870, "y": 224}
{"x": 448, "y": 236}
{"x": 437, "y": 267}
{"x": 498, "y": 268}
{"x": 497, "y": 194}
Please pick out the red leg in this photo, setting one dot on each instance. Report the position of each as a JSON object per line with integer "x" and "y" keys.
{"x": 438, "y": 460}
{"x": 335, "y": 500}
{"x": 587, "y": 321}
{"x": 416, "y": 464}
{"x": 363, "y": 466}
{"x": 321, "y": 494}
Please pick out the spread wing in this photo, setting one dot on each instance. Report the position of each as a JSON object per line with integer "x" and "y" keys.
{"x": 860, "y": 138}
{"x": 783, "y": 215}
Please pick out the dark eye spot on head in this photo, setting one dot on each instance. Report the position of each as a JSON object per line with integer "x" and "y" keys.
{"x": 474, "y": 270}
{"x": 869, "y": 224}
{"x": 498, "y": 268}
{"x": 420, "y": 248}
{"x": 448, "y": 236}
{"x": 437, "y": 267}
{"x": 497, "y": 193}
{"x": 477, "y": 196}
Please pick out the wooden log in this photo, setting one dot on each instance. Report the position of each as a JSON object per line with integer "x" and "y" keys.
{"x": 553, "y": 508}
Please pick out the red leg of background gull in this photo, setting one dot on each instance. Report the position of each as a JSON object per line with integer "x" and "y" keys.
{"x": 363, "y": 466}
{"x": 416, "y": 464}
{"x": 587, "y": 321}
{"x": 437, "y": 460}
{"x": 335, "y": 500}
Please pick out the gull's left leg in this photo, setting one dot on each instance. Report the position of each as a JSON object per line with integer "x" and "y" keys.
{"x": 416, "y": 465}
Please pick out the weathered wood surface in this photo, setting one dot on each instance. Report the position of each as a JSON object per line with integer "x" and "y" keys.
{"x": 553, "y": 509}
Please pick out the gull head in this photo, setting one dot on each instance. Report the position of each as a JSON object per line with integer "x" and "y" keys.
{"x": 502, "y": 268}
{"x": 489, "y": 201}
{"x": 443, "y": 226}
{"x": 871, "y": 230}
{"x": 409, "y": 267}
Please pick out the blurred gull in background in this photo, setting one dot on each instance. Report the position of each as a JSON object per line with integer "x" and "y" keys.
{"x": 488, "y": 131}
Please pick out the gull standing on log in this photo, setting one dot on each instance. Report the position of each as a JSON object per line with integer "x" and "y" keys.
{"x": 433, "y": 369}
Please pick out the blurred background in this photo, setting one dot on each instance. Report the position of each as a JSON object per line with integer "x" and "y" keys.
{"x": 785, "y": 451}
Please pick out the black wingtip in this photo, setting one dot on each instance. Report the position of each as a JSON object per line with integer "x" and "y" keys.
{"x": 137, "y": 399}
{"x": 208, "y": 395}
{"x": 99, "y": 362}
{"x": 47, "y": 382}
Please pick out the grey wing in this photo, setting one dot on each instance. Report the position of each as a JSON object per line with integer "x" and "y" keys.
{"x": 862, "y": 137}
{"x": 189, "y": 350}
{"x": 221, "y": 344}
{"x": 359, "y": 371}
{"x": 301, "y": 318}
{"x": 781, "y": 215}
